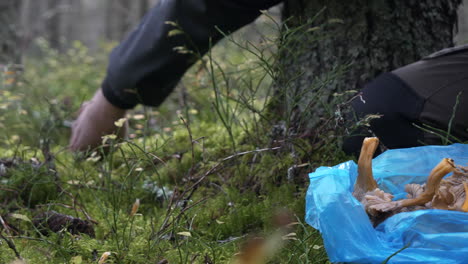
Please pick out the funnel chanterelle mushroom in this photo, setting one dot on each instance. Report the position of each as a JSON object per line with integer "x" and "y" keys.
{"x": 449, "y": 194}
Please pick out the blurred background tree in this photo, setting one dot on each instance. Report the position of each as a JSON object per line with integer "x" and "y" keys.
{"x": 60, "y": 22}
{"x": 9, "y": 53}
{"x": 89, "y": 21}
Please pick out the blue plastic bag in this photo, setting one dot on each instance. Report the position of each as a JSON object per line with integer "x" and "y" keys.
{"x": 431, "y": 236}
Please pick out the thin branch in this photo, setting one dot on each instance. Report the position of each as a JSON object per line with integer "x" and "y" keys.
{"x": 11, "y": 245}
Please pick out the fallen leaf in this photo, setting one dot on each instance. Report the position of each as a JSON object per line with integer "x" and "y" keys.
{"x": 21, "y": 217}
{"x": 120, "y": 122}
{"x": 138, "y": 117}
{"x": 185, "y": 233}
{"x": 104, "y": 257}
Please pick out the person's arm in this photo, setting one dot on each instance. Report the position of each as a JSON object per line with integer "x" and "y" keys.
{"x": 145, "y": 68}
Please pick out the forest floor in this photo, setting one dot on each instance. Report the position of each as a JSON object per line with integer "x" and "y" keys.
{"x": 198, "y": 180}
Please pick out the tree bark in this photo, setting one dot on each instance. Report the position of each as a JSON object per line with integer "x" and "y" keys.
{"x": 332, "y": 46}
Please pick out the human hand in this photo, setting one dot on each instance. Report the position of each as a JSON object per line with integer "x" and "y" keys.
{"x": 95, "y": 119}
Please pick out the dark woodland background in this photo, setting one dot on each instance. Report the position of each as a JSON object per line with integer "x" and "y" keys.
{"x": 91, "y": 22}
{"x": 61, "y": 22}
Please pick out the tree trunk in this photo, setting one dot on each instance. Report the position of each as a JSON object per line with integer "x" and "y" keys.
{"x": 53, "y": 23}
{"x": 9, "y": 53}
{"x": 333, "y": 46}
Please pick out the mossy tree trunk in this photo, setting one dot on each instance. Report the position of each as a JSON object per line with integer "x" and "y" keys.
{"x": 333, "y": 46}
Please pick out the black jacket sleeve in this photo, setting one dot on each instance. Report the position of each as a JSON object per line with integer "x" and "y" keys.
{"x": 145, "y": 68}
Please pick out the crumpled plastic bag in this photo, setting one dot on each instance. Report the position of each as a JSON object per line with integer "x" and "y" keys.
{"x": 425, "y": 236}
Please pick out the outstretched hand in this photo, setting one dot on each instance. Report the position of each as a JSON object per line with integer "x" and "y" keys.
{"x": 95, "y": 119}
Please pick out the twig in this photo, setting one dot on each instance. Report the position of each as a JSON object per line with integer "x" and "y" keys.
{"x": 11, "y": 245}
{"x": 190, "y": 190}
{"x": 215, "y": 167}
{"x": 157, "y": 158}
{"x": 5, "y": 226}
{"x": 168, "y": 214}
{"x": 8, "y": 189}
{"x": 177, "y": 217}
{"x": 248, "y": 152}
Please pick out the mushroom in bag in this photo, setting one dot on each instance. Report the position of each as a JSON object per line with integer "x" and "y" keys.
{"x": 438, "y": 193}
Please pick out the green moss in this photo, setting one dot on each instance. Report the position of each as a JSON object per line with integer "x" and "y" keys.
{"x": 29, "y": 184}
